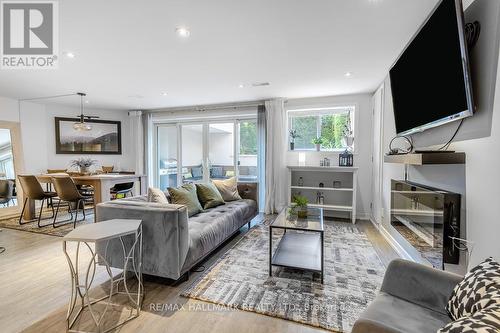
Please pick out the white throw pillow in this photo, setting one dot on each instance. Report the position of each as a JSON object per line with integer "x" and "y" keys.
{"x": 157, "y": 195}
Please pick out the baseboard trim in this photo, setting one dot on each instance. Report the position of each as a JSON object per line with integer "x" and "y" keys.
{"x": 392, "y": 242}
{"x": 365, "y": 217}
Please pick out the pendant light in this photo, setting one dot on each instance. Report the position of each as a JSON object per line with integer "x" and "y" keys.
{"x": 81, "y": 125}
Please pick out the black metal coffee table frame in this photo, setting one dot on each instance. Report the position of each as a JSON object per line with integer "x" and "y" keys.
{"x": 302, "y": 245}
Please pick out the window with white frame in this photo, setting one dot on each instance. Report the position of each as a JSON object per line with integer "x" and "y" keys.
{"x": 331, "y": 127}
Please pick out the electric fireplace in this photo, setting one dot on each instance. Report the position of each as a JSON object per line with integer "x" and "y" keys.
{"x": 427, "y": 217}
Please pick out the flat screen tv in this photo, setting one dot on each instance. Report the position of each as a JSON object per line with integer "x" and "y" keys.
{"x": 430, "y": 81}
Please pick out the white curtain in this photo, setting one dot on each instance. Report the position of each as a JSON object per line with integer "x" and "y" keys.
{"x": 276, "y": 171}
{"x": 147, "y": 123}
{"x": 136, "y": 129}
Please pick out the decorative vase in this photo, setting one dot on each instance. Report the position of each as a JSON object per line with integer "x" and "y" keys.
{"x": 318, "y": 147}
{"x": 348, "y": 141}
{"x": 84, "y": 169}
{"x": 302, "y": 213}
{"x": 292, "y": 145}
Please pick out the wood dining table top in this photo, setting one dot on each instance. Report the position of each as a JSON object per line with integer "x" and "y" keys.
{"x": 46, "y": 176}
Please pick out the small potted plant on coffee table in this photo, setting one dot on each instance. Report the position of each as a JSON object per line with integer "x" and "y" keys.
{"x": 318, "y": 141}
{"x": 300, "y": 205}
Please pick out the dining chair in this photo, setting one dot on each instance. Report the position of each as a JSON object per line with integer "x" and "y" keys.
{"x": 107, "y": 169}
{"x": 34, "y": 191}
{"x": 6, "y": 192}
{"x": 68, "y": 192}
{"x": 49, "y": 185}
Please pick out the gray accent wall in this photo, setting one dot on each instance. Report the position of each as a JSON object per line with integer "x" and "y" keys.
{"x": 479, "y": 179}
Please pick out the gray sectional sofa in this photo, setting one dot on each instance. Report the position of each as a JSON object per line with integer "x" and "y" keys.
{"x": 172, "y": 242}
{"x": 412, "y": 299}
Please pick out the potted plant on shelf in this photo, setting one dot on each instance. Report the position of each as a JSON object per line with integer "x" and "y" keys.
{"x": 293, "y": 135}
{"x": 300, "y": 206}
{"x": 83, "y": 163}
{"x": 348, "y": 135}
{"x": 318, "y": 141}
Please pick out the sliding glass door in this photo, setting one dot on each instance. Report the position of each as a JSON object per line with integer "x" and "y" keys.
{"x": 192, "y": 153}
{"x": 166, "y": 172}
{"x": 221, "y": 154}
{"x": 197, "y": 152}
{"x": 247, "y": 150}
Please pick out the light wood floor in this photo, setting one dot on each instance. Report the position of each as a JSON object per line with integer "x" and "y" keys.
{"x": 35, "y": 285}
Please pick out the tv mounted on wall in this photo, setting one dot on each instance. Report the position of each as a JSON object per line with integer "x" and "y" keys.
{"x": 430, "y": 81}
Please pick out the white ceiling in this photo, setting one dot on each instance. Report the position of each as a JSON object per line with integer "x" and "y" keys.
{"x": 127, "y": 52}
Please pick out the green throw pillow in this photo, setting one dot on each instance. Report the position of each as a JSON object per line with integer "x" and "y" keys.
{"x": 186, "y": 195}
{"x": 209, "y": 196}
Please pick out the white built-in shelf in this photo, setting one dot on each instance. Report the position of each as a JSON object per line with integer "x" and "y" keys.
{"x": 322, "y": 188}
{"x": 338, "y": 208}
{"x": 341, "y": 199}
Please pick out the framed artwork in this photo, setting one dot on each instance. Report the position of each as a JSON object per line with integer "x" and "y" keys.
{"x": 105, "y": 137}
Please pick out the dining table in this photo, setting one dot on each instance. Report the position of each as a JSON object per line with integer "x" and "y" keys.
{"x": 102, "y": 184}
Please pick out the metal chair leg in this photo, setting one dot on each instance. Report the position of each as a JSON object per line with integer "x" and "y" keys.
{"x": 76, "y": 215}
{"x": 83, "y": 210}
{"x": 60, "y": 224}
{"x": 22, "y": 213}
{"x": 40, "y": 214}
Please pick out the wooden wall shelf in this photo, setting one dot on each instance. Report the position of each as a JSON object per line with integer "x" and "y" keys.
{"x": 427, "y": 158}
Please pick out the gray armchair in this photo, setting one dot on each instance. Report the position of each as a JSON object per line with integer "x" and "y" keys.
{"x": 6, "y": 191}
{"x": 412, "y": 299}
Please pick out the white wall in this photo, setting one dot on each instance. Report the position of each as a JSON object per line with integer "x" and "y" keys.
{"x": 363, "y": 142}
{"x": 38, "y": 135}
{"x": 9, "y": 109}
{"x": 478, "y": 180}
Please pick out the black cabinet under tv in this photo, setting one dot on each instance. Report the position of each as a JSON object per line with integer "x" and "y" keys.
{"x": 427, "y": 217}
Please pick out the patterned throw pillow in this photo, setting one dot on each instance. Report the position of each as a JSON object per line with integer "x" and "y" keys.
{"x": 484, "y": 321}
{"x": 478, "y": 290}
{"x": 157, "y": 195}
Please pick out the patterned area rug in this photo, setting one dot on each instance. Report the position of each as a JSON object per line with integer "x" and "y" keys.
{"x": 240, "y": 279}
{"x": 13, "y": 223}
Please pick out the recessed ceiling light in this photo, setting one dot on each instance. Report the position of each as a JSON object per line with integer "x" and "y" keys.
{"x": 70, "y": 55}
{"x": 241, "y": 85}
{"x": 348, "y": 74}
{"x": 260, "y": 84}
{"x": 183, "y": 31}
{"x": 87, "y": 102}
{"x": 164, "y": 93}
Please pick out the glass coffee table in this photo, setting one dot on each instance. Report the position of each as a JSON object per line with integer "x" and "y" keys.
{"x": 302, "y": 245}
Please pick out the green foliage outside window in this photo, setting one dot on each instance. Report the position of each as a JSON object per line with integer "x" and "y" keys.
{"x": 306, "y": 128}
{"x": 248, "y": 138}
{"x": 331, "y": 130}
